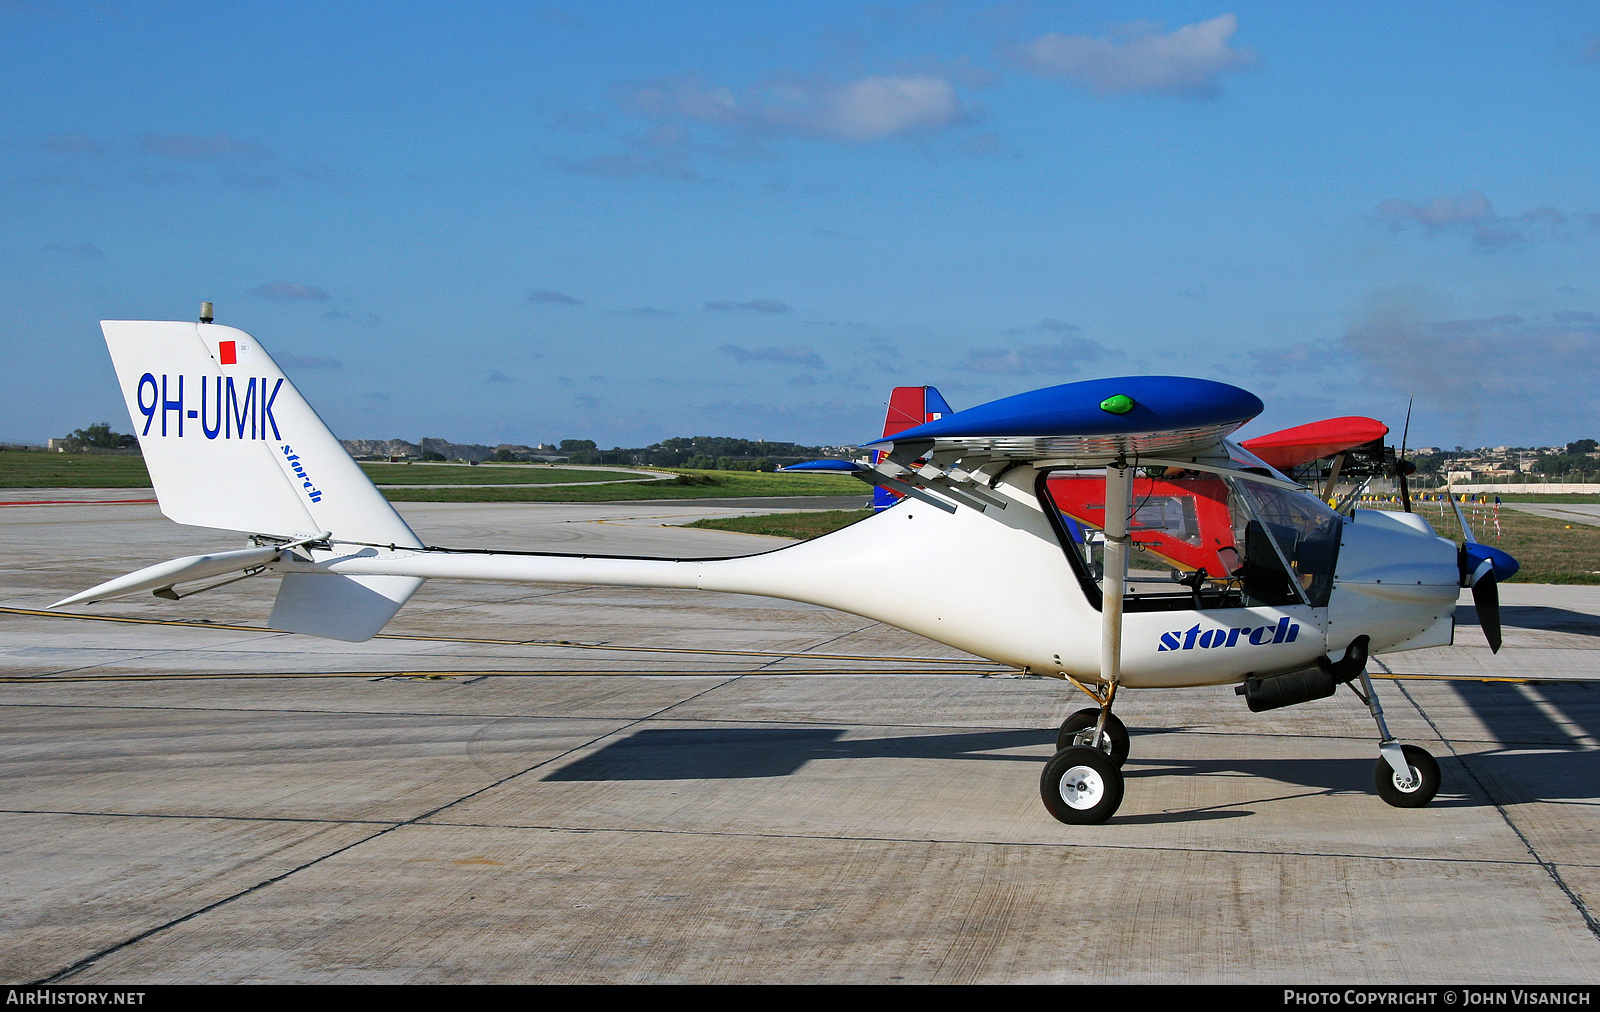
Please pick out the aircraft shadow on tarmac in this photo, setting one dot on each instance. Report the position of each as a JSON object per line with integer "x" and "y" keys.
{"x": 1510, "y": 712}
{"x": 1528, "y": 616}
{"x": 1509, "y": 776}
{"x": 739, "y": 753}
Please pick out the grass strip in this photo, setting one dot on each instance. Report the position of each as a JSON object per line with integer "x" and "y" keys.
{"x": 800, "y": 526}
{"x": 1550, "y": 551}
{"x": 24, "y": 469}
{"x": 465, "y": 474}
{"x": 689, "y": 485}
{"x": 1549, "y": 497}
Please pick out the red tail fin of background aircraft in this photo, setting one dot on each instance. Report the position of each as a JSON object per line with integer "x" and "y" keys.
{"x": 908, "y": 407}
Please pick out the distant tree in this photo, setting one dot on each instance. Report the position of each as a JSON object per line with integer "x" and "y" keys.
{"x": 1582, "y": 446}
{"x": 504, "y": 455}
{"x": 432, "y": 455}
{"x": 1558, "y": 464}
{"x": 723, "y": 453}
{"x": 100, "y": 436}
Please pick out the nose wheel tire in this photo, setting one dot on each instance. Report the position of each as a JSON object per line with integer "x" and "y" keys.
{"x": 1414, "y": 792}
{"x": 1078, "y": 729}
{"x": 1081, "y": 786}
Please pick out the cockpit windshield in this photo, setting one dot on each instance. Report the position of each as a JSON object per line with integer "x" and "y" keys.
{"x": 1203, "y": 540}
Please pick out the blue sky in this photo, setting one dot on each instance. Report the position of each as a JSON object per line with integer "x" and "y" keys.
{"x": 522, "y": 223}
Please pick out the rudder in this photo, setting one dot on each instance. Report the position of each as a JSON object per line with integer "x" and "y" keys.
{"x": 230, "y": 443}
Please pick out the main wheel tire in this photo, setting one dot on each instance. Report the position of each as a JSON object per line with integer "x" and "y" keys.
{"x": 1424, "y": 779}
{"x": 1078, "y": 729}
{"x": 1081, "y": 786}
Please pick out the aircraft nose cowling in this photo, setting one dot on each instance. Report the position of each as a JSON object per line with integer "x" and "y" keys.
{"x": 1502, "y": 565}
{"x": 1395, "y": 579}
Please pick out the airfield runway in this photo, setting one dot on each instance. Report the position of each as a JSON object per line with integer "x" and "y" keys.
{"x": 572, "y": 784}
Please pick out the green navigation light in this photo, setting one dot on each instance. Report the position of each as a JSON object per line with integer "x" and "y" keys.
{"x": 1118, "y": 404}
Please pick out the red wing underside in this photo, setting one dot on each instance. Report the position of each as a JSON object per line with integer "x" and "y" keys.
{"x": 1304, "y": 443}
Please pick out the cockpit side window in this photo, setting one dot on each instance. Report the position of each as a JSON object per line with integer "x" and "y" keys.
{"x": 1305, "y": 531}
{"x": 1200, "y": 540}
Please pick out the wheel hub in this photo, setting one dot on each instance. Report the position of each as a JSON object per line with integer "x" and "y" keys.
{"x": 1082, "y": 787}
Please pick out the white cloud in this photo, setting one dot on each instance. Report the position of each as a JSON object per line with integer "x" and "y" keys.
{"x": 82, "y": 251}
{"x": 1471, "y": 208}
{"x": 1141, "y": 59}
{"x": 1498, "y": 366}
{"x": 554, "y": 298}
{"x": 872, "y": 108}
{"x": 1308, "y": 360}
{"x": 1472, "y": 213}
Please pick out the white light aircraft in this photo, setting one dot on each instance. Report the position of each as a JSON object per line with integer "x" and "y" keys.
{"x": 1105, "y": 532}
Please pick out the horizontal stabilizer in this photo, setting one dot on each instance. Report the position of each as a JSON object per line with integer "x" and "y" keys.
{"x": 845, "y": 466}
{"x": 184, "y": 570}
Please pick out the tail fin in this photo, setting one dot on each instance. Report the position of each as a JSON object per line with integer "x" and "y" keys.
{"x": 230, "y": 443}
{"x": 908, "y": 407}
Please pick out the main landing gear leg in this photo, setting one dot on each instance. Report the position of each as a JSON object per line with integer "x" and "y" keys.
{"x": 1095, "y": 726}
{"x": 1406, "y": 776}
{"x": 1082, "y": 783}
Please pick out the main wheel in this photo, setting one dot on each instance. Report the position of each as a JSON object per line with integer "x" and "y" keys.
{"x": 1081, "y": 785}
{"x": 1078, "y": 729}
{"x": 1421, "y": 788}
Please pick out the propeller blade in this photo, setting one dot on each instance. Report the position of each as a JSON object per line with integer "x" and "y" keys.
{"x": 1482, "y": 568}
{"x": 1461, "y": 518}
{"x": 1401, "y": 468}
{"x": 1486, "y": 599}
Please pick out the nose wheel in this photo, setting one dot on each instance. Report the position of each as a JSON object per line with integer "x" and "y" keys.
{"x": 1406, "y": 776}
{"x": 1414, "y": 789}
